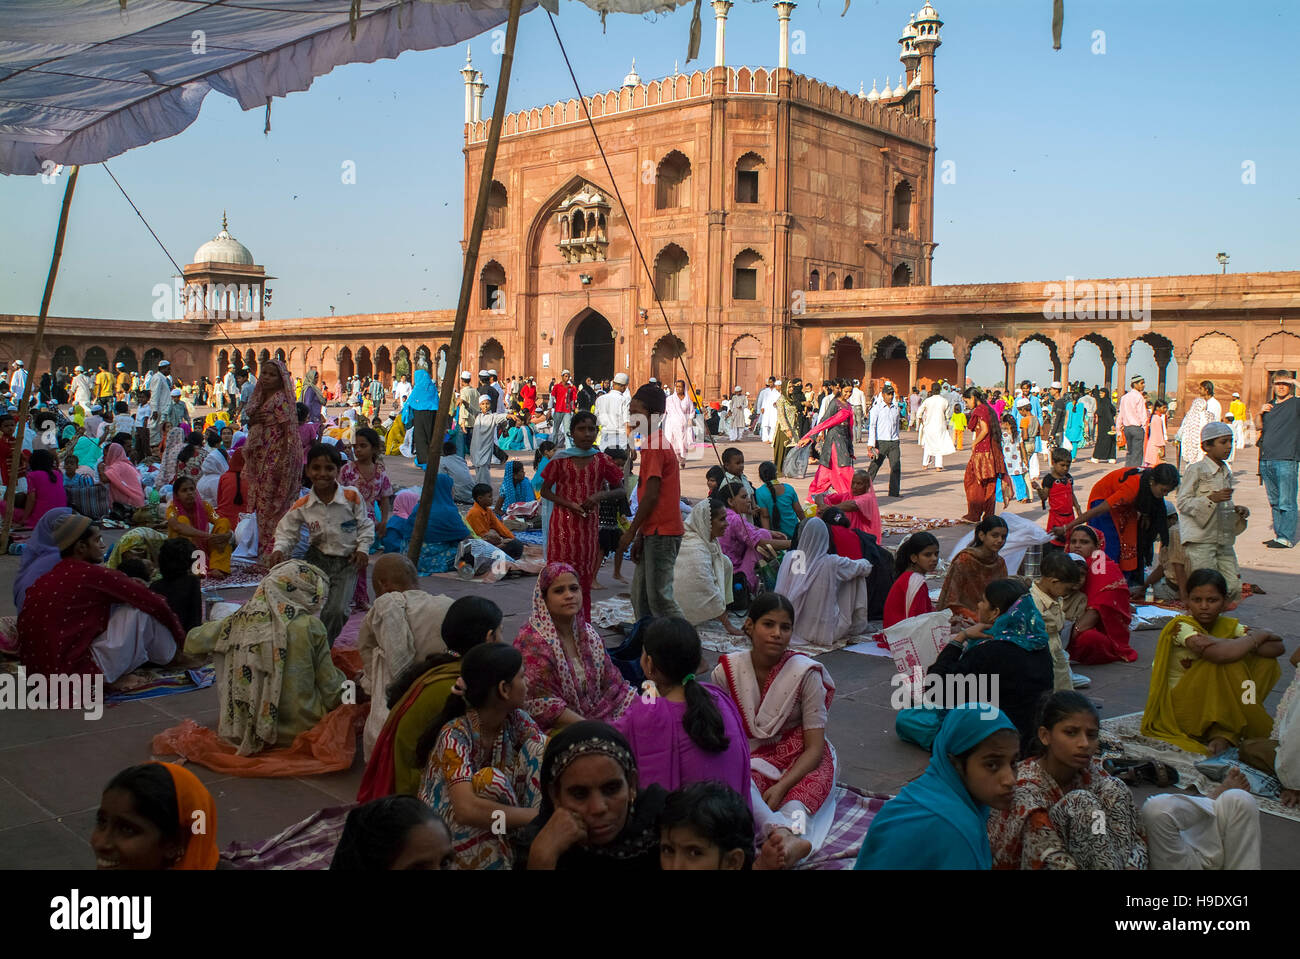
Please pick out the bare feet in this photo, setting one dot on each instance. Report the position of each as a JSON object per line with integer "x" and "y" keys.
{"x": 1217, "y": 745}
{"x": 597, "y": 585}
{"x": 620, "y": 577}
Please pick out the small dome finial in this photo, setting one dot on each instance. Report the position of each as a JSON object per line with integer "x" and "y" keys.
{"x": 632, "y": 80}
{"x": 223, "y": 221}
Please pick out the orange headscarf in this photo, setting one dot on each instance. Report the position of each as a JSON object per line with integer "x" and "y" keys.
{"x": 193, "y": 797}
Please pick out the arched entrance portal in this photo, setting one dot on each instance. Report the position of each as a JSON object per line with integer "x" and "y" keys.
{"x": 846, "y": 360}
{"x": 664, "y": 358}
{"x": 593, "y": 349}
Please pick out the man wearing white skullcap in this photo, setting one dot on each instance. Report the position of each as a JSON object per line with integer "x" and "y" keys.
{"x": 1209, "y": 523}
{"x": 612, "y": 413}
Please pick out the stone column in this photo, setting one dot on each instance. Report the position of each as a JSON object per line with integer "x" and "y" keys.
{"x": 468, "y": 72}
{"x": 1163, "y": 356}
{"x": 480, "y": 87}
{"x": 911, "y": 372}
{"x": 720, "y": 9}
{"x": 783, "y": 10}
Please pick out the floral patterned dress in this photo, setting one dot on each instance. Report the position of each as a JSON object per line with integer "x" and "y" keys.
{"x": 372, "y": 491}
{"x": 591, "y": 685}
{"x": 506, "y": 771}
{"x": 1092, "y": 825}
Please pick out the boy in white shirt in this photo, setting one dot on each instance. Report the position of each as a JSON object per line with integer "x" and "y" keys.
{"x": 339, "y": 528}
{"x": 1208, "y": 522}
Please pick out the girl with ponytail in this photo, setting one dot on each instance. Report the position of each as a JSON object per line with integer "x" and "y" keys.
{"x": 483, "y": 773}
{"x": 779, "y": 499}
{"x": 683, "y": 730}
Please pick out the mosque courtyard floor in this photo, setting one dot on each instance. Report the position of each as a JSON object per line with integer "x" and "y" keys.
{"x": 54, "y": 765}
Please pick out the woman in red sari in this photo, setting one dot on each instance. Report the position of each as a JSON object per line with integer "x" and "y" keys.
{"x": 575, "y": 481}
{"x": 986, "y": 464}
{"x": 1101, "y": 635}
{"x": 1128, "y": 506}
{"x": 835, "y": 457}
{"x": 528, "y": 397}
{"x": 273, "y": 453}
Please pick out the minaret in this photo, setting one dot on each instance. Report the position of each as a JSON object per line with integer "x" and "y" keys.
{"x": 783, "y": 10}
{"x": 926, "y": 42}
{"x": 480, "y": 86}
{"x": 468, "y": 72}
{"x": 720, "y": 9}
{"x": 909, "y": 56}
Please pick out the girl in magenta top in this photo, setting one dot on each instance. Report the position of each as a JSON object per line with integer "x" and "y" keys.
{"x": 741, "y": 539}
{"x": 682, "y": 730}
{"x": 44, "y": 489}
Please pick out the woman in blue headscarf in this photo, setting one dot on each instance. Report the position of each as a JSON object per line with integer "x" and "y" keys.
{"x": 940, "y": 819}
{"x": 418, "y": 414}
{"x": 442, "y": 534}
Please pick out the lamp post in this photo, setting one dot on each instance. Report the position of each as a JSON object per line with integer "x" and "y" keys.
{"x": 1223, "y": 261}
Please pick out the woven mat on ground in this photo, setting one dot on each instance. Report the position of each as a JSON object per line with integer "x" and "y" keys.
{"x": 9, "y": 634}
{"x": 329, "y": 746}
{"x": 304, "y": 845}
{"x": 149, "y": 682}
{"x": 901, "y": 524}
{"x": 1126, "y": 731}
{"x": 241, "y": 577}
{"x": 854, "y": 810}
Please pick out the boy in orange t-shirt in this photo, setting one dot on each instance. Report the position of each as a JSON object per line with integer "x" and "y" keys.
{"x": 655, "y": 534}
{"x": 487, "y": 527}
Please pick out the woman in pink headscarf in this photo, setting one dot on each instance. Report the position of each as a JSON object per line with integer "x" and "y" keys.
{"x": 117, "y": 471}
{"x": 570, "y": 675}
{"x": 273, "y": 453}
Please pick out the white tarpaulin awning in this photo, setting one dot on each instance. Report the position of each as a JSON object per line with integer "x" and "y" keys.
{"x": 82, "y": 81}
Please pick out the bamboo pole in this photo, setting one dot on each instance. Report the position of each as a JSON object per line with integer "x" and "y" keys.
{"x": 25, "y": 403}
{"x": 450, "y": 379}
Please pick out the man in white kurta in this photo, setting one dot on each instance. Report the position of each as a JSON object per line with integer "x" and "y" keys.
{"x": 83, "y": 388}
{"x": 767, "y": 410}
{"x": 737, "y": 415}
{"x": 612, "y": 413}
{"x": 678, "y": 413}
{"x": 932, "y": 421}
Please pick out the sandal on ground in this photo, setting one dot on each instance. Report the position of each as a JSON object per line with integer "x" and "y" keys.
{"x": 1142, "y": 772}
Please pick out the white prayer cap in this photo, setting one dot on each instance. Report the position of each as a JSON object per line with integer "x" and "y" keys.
{"x": 78, "y": 369}
{"x": 1234, "y": 395}
{"x": 492, "y": 372}
{"x": 20, "y": 363}
{"x": 121, "y": 366}
{"x": 465, "y": 375}
{"x": 1212, "y": 431}
{"x": 482, "y": 372}
{"x": 164, "y": 362}
{"x": 737, "y": 390}
{"x": 176, "y": 392}
{"x": 1023, "y": 401}
{"x": 620, "y": 379}
{"x": 566, "y": 373}
{"x": 1056, "y": 384}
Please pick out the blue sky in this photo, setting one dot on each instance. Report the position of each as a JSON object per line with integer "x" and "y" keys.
{"x": 1126, "y": 163}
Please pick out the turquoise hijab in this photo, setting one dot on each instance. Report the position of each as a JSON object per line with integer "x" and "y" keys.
{"x": 1022, "y": 624}
{"x": 424, "y": 396}
{"x": 933, "y": 823}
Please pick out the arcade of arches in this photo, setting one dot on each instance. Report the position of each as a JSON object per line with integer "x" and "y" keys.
{"x": 913, "y": 335}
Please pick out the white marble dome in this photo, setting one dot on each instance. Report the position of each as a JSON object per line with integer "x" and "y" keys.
{"x": 223, "y": 248}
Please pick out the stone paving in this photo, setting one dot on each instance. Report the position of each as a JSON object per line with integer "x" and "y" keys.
{"x": 53, "y": 766}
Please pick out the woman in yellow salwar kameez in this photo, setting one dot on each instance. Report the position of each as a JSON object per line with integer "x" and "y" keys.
{"x": 189, "y": 517}
{"x": 396, "y": 433}
{"x": 1210, "y": 675}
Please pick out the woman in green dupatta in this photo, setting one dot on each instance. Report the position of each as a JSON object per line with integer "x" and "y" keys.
{"x": 787, "y": 421}
{"x": 138, "y": 543}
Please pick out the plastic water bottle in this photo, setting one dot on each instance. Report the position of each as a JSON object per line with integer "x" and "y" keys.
{"x": 1150, "y": 596}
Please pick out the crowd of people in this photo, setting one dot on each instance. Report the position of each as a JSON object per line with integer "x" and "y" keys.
{"x": 546, "y": 750}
